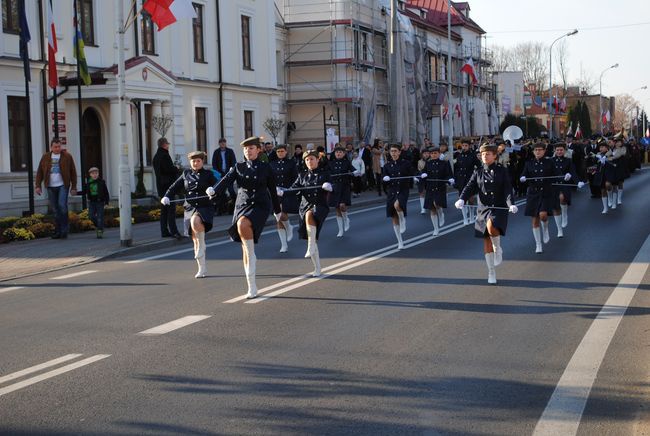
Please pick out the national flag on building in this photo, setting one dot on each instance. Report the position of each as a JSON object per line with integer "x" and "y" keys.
{"x": 25, "y": 37}
{"x": 578, "y": 134}
{"x": 569, "y": 131}
{"x": 53, "y": 79}
{"x": 166, "y": 12}
{"x": 604, "y": 117}
{"x": 468, "y": 68}
{"x": 608, "y": 116}
{"x": 563, "y": 104}
{"x": 80, "y": 54}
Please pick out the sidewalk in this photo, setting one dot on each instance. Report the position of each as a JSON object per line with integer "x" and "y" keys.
{"x": 25, "y": 258}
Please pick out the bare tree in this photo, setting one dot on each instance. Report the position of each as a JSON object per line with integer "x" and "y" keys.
{"x": 501, "y": 59}
{"x": 625, "y": 111}
{"x": 528, "y": 57}
{"x": 561, "y": 62}
{"x": 586, "y": 82}
{"x": 274, "y": 127}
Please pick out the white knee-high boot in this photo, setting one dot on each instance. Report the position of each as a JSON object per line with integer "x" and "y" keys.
{"x": 537, "y": 234}
{"x": 614, "y": 199}
{"x": 498, "y": 251}
{"x": 558, "y": 223}
{"x": 441, "y": 216}
{"x": 199, "y": 255}
{"x": 610, "y": 196}
{"x": 346, "y": 221}
{"x": 282, "y": 233}
{"x": 619, "y": 198}
{"x": 398, "y": 234}
{"x": 402, "y": 221}
{"x": 339, "y": 222}
{"x": 315, "y": 256}
{"x": 422, "y": 209}
{"x": 289, "y": 228}
{"x": 565, "y": 214}
{"x": 492, "y": 273}
{"x": 545, "y": 235}
{"x": 435, "y": 222}
{"x": 604, "y": 200}
{"x": 249, "y": 267}
{"x": 465, "y": 211}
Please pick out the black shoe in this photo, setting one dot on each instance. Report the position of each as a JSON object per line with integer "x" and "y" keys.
{"x": 178, "y": 236}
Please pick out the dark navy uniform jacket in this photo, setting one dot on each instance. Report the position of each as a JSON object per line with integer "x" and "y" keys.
{"x": 285, "y": 171}
{"x": 256, "y": 183}
{"x": 195, "y": 184}
{"x": 492, "y": 184}
{"x": 398, "y": 168}
{"x": 466, "y": 163}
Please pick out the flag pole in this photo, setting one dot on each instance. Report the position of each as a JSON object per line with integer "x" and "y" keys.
{"x": 28, "y": 120}
{"x": 450, "y": 145}
{"x": 79, "y": 109}
{"x": 55, "y": 101}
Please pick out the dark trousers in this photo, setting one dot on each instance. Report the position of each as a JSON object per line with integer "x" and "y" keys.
{"x": 357, "y": 185}
{"x": 59, "y": 204}
{"x": 378, "y": 182}
{"x": 168, "y": 220}
{"x": 96, "y": 214}
{"x": 370, "y": 177}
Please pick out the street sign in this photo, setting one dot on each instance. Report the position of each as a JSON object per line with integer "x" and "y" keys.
{"x": 528, "y": 100}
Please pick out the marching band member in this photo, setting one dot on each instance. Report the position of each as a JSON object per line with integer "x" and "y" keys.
{"x": 397, "y": 176}
{"x": 540, "y": 197}
{"x": 285, "y": 171}
{"x": 465, "y": 164}
{"x": 340, "y": 198}
{"x": 255, "y": 199}
{"x": 199, "y": 210}
{"x": 564, "y": 165}
{"x": 619, "y": 153}
{"x": 437, "y": 173}
{"x": 605, "y": 175}
{"x": 424, "y": 157}
{"x": 492, "y": 184}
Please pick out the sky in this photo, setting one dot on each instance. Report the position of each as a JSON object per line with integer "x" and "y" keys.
{"x": 508, "y": 22}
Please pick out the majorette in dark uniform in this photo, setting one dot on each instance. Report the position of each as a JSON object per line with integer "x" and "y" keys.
{"x": 465, "y": 164}
{"x": 424, "y": 157}
{"x": 199, "y": 210}
{"x": 491, "y": 182}
{"x": 285, "y": 171}
{"x": 397, "y": 176}
{"x": 313, "y": 184}
{"x": 341, "y": 171}
{"x": 605, "y": 174}
{"x": 619, "y": 158}
{"x": 256, "y": 198}
{"x": 564, "y": 165}
{"x": 437, "y": 174}
{"x": 541, "y": 196}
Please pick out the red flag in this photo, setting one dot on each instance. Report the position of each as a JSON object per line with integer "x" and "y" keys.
{"x": 468, "y": 68}
{"x": 457, "y": 107}
{"x": 166, "y": 12}
{"x": 53, "y": 79}
{"x": 578, "y": 134}
{"x": 604, "y": 116}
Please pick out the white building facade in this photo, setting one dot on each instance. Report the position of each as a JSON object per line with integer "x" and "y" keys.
{"x": 214, "y": 76}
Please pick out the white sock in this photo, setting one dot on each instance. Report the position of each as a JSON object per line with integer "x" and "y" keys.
{"x": 610, "y": 195}
{"x": 620, "y": 195}
{"x": 537, "y": 234}
{"x": 558, "y": 223}
{"x": 249, "y": 246}
{"x": 200, "y": 250}
{"x": 492, "y": 274}
{"x": 614, "y": 199}
{"x": 565, "y": 214}
{"x": 339, "y": 222}
{"x": 498, "y": 252}
{"x": 282, "y": 233}
{"x": 545, "y": 236}
{"x": 421, "y": 203}
{"x": 604, "y": 200}
{"x": 311, "y": 240}
{"x": 434, "y": 221}
{"x": 289, "y": 228}
{"x": 402, "y": 221}
{"x": 398, "y": 234}
{"x": 346, "y": 221}
{"x": 315, "y": 260}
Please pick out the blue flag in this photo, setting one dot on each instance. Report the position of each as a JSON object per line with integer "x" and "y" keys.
{"x": 25, "y": 37}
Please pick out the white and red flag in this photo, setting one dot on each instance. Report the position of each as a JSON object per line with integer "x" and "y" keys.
{"x": 52, "y": 79}
{"x": 578, "y": 134}
{"x": 166, "y": 12}
{"x": 468, "y": 68}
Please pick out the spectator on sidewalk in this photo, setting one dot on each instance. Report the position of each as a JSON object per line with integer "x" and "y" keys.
{"x": 166, "y": 173}
{"x": 58, "y": 173}
{"x": 97, "y": 195}
{"x": 223, "y": 159}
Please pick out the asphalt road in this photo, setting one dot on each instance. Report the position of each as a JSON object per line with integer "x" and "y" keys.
{"x": 388, "y": 342}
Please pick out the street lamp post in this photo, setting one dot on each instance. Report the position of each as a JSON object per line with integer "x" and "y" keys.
{"x": 600, "y": 96}
{"x": 641, "y": 88}
{"x": 550, "y": 82}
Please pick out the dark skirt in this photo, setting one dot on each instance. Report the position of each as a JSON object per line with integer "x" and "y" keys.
{"x": 392, "y": 195}
{"x": 320, "y": 214}
{"x": 206, "y": 214}
{"x": 289, "y": 202}
{"x": 499, "y": 219}
{"x": 341, "y": 194}
{"x": 421, "y": 186}
{"x": 566, "y": 191}
{"x": 439, "y": 197}
{"x": 541, "y": 201}
{"x": 257, "y": 214}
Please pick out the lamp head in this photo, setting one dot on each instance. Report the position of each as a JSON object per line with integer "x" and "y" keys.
{"x": 614, "y": 66}
{"x": 573, "y": 32}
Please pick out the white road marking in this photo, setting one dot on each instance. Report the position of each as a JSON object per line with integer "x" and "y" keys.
{"x": 50, "y": 374}
{"x": 37, "y": 368}
{"x": 564, "y": 410}
{"x": 174, "y": 325}
{"x": 77, "y": 274}
{"x": 12, "y": 288}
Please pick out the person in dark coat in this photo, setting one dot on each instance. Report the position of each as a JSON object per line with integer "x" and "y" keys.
{"x": 256, "y": 198}
{"x": 166, "y": 173}
{"x": 313, "y": 185}
{"x": 437, "y": 174}
{"x": 604, "y": 174}
{"x": 223, "y": 159}
{"x": 492, "y": 184}
{"x": 199, "y": 210}
{"x": 341, "y": 171}
{"x": 465, "y": 164}
{"x": 397, "y": 176}
{"x": 591, "y": 165}
{"x": 285, "y": 171}
{"x": 541, "y": 197}
{"x": 564, "y": 165}
{"x": 619, "y": 159}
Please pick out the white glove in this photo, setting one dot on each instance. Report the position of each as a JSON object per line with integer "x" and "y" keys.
{"x": 210, "y": 191}
{"x": 451, "y": 181}
{"x": 356, "y": 173}
{"x": 460, "y": 204}
{"x": 522, "y": 179}
{"x": 424, "y": 175}
{"x": 327, "y": 186}
{"x": 442, "y": 156}
{"x": 603, "y": 160}
{"x": 416, "y": 180}
{"x": 165, "y": 201}
{"x": 277, "y": 216}
{"x": 386, "y": 179}
{"x": 279, "y": 191}
{"x": 567, "y": 177}
{"x": 581, "y": 185}
{"x": 513, "y": 209}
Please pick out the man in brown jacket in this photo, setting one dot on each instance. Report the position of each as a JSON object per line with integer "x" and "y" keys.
{"x": 57, "y": 172}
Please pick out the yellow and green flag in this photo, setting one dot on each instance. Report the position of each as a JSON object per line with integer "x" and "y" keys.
{"x": 81, "y": 56}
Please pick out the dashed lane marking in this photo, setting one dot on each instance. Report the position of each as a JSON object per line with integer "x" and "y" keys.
{"x": 77, "y": 274}
{"x": 10, "y": 289}
{"x": 36, "y": 368}
{"x": 173, "y": 325}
